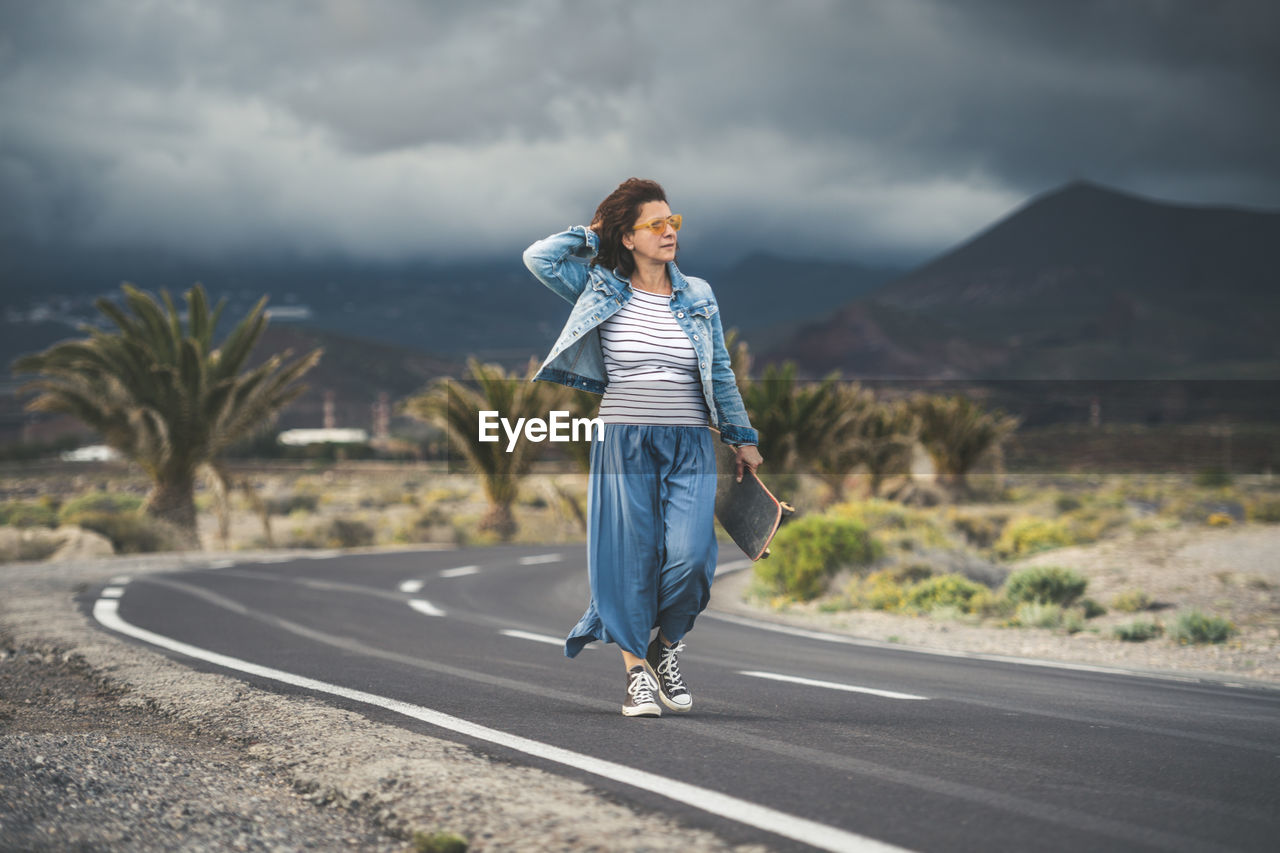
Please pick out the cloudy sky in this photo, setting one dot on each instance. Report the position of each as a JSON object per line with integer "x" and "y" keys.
{"x": 865, "y": 129}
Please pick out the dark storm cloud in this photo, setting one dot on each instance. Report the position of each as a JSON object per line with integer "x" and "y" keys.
{"x": 865, "y": 129}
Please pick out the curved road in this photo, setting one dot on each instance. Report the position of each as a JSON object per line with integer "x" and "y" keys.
{"x": 798, "y": 740}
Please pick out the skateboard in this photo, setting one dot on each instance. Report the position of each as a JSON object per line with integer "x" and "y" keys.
{"x": 748, "y": 511}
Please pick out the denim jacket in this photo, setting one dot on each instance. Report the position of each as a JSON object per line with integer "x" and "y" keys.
{"x": 562, "y": 262}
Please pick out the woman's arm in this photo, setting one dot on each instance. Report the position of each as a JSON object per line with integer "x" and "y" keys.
{"x": 561, "y": 261}
{"x": 735, "y": 427}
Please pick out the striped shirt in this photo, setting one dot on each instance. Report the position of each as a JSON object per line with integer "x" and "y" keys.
{"x": 652, "y": 367}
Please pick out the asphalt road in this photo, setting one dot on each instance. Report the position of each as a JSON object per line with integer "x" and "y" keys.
{"x": 921, "y": 751}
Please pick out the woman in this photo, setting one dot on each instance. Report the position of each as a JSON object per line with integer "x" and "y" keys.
{"x": 650, "y": 340}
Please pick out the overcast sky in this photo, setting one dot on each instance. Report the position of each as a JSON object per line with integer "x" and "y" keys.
{"x": 868, "y": 129}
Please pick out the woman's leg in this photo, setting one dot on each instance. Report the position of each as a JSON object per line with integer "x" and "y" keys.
{"x": 688, "y": 497}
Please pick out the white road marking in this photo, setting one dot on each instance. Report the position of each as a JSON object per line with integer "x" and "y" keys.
{"x": 947, "y": 653}
{"x": 459, "y": 572}
{"x": 112, "y": 592}
{"x": 221, "y": 564}
{"x": 411, "y": 586}
{"x": 423, "y": 606}
{"x": 541, "y": 558}
{"x": 752, "y": 814}
{"x": 528, "y": 635}
{"x": 121, "y": 579}
{"x": 831, "y": 685}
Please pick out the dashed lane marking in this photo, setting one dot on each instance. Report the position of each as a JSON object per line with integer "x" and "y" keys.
{"x": 461, "y": 571}
{"x": 541, "y": 558}
{"x": 830, "y": 685}
{"x": 819, "y": 835}
{"x": 529, "y": 635}
{"x": 112, "y": 592}
{"x": 411, "y": 586}
{"x": 423, "y": 606}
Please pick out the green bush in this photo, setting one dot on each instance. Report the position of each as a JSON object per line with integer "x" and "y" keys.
{"x": 982, "y": 531}
{"x": 130, "y": 533}
{"x": 1045, "y": 585}
{"x": 951, "y": 590}
{"x": 28, "y": 514}
{"x": 114, "y": 503}
{"x": 1264, "y": 510}
{"x": 877, "y": 591}
{"x": 1138, "y": 631}
{"x": 809, "y": 550}
{"x": 1035, "y": 614}
{"x": 347, "y": 533}
{"x": 439, "y": 842}
{"x": 1091, "y": 609}
{"x": 1029, "y": 535}
{"x": 1196, "y": 627}
{"x": 1131, "y": 601}
{"x": 1212, "y": 478}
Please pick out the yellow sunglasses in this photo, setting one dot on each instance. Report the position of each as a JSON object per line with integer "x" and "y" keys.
{"x": 659, "y": 225}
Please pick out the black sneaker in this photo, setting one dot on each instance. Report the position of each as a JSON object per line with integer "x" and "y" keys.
{"x": 640, "y": 689}
{"x": 666, "y": 666}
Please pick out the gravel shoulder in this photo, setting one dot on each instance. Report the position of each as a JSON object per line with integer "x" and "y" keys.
{"x": 1232, "y": 572}
{"x": 105, "y": 744}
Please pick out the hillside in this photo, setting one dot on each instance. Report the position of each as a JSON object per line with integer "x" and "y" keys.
{"x": 1080, "y": 283}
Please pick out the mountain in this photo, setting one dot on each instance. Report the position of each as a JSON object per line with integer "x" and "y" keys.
{"x": 1080, "y": 283}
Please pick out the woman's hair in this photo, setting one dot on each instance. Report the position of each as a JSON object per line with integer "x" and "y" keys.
{"x": 616, "y": 215}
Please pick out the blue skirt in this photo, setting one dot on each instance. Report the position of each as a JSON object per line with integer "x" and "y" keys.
{"x": 651, "y": 544}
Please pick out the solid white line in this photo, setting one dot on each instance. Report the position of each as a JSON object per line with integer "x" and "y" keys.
{"x": 411, "y": 586}
{"x": 541, "y": 558}
{"x": 461, "y": 571}
{"x": 831, "y": 685}
{"x": 537, "y": 638}
{"x": 423, "y": 606}
{"x": 752, "y": 814}
{"x": 112, "y": 592}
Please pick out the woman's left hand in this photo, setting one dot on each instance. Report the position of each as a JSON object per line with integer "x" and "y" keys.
{"x": 747, "y": 458}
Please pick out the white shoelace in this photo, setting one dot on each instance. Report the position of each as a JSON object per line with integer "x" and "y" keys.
{"x": 641, "y": 688}
{"x": 668, "y": 667}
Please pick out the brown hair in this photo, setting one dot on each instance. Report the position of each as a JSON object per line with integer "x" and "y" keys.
{"x": 616, "y": 215}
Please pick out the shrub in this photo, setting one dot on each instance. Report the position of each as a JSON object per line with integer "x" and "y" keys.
{"x": 1091, "y": 609}
{"x": 1046, "y": 585}
{"x": 807, "y": 551}
{"x": 945, "y": 591}
{"x": 304, "y": 501}
{"x": 877, "y": 591}
{"x": 1029, "y": 535}
{"x": 1034, "y": 614}
{"x": 1131, "y": 601}
{"x": 1066, "y": 503}
{"x": 439, "y": 842}
{"x": 1196, "y": 627}
{"x": 1219, "y": 519}
{"x": 1138, "y": 631}
{"x": 1212, "y": 478}
{"x": 347, "y": 533}
{"x": 1265, "y": 510}
{"x": 982, "y": 531}
{"x": 130, "y": 533}
{"x": 28, "y": 514}
{"x": 113, "y": 503}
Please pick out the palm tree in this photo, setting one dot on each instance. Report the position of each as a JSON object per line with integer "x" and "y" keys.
{"x": 956, "y": 433}
{"x": 888, "y": 432}
{"x": 454, "y": 407}
{"x": 165, "y": 397}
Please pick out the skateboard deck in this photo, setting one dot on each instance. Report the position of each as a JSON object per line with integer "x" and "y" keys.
{"x": 748, "y": 511}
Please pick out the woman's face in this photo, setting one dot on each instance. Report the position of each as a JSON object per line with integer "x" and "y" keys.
{"x": 647, "y": 245}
